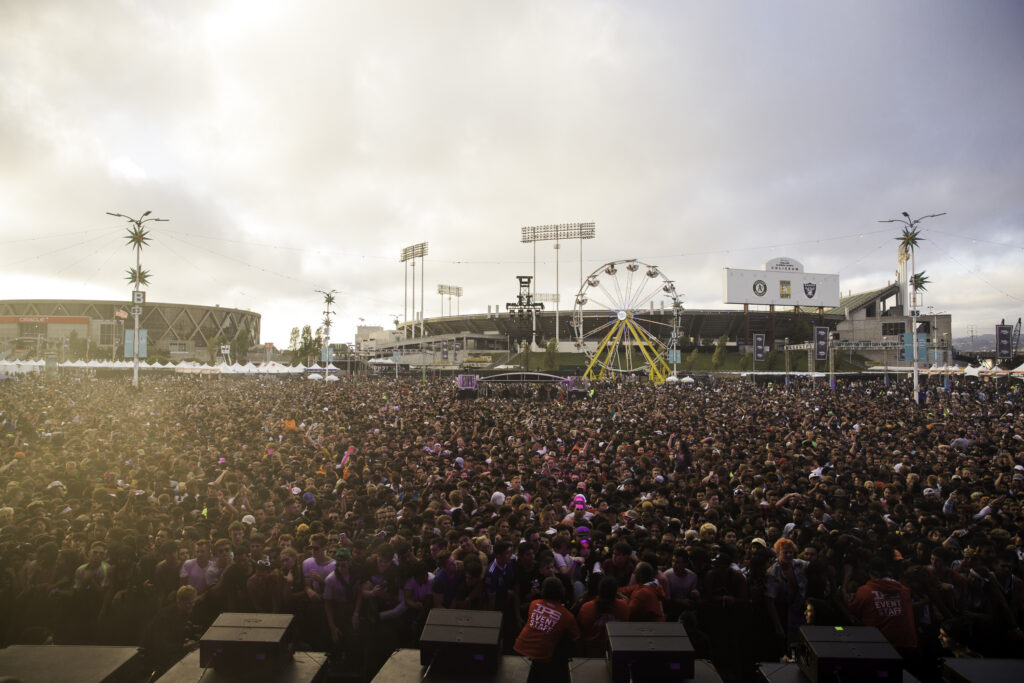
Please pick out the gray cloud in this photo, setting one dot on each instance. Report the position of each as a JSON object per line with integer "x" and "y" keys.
{"x": 301, "y": 145}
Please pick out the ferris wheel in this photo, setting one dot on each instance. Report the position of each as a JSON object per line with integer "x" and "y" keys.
{"x": 626, "y": 319}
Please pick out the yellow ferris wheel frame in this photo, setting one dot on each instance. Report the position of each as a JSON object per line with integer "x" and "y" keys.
{"x": 657, "y": 369}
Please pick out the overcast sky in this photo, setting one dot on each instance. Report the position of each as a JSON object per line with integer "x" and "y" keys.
{"x": 297, "y": 146}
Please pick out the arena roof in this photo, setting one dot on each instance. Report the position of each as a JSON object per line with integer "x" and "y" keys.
{"x": 165, "y": 322}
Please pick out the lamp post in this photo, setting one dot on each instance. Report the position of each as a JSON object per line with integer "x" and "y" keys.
{"x": 138, "y": 237}
{"x": 328, "y": 302}
{"x": 909, "y": 240}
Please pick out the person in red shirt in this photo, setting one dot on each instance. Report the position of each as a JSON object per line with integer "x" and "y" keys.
{"x": 645, "y": 595}
{"x": 596, "y": 613}
{"x": 885, "y": 603}
{"x": 548, "y": 621}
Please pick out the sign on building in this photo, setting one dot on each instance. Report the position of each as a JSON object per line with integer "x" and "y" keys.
{"x": 782, "y": 282}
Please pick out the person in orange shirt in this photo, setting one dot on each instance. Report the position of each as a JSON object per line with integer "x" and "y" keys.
{"x": 885, "y": 603}
{"x": 596, "y": 613}
{"x": 548, "y": 621}
{"x": 645, "y": 595}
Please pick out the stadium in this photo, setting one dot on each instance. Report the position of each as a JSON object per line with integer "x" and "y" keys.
{"x": 31, "y": 327}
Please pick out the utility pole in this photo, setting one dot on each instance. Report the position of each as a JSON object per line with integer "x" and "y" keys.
{"x": 909, "y": 240}
{"x": 138, "y": 237}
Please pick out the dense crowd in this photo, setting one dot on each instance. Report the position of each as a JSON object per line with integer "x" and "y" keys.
{"x": 742, "y": 510}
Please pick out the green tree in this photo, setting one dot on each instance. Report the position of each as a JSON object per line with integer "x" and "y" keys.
{"x": 240, "y": 345}
{"x": 551, "y": 355}
{"x": 77, "y": 347}
{"x": 747, "y": 360}
{"x": 305, "y": 349}
{"x": 691, "y": 360}
{"x": 801, "y": 331}
{"x": 213, "y": 348}
{"x": 718, "y": 358}
{"x": 293, "y": 339}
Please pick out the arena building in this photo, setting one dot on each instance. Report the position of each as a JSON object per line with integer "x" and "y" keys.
{"x": 35, "y": 326}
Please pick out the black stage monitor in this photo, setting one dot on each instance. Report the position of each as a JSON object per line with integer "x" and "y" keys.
{"x": 461, "y": 640}
{"x": 649, "y": 651}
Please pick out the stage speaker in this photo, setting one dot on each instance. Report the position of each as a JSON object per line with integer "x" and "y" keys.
{"x": 970, "y": 670}
{"x": 460, "y": 640}
{"x": 596, "y": 671}
{"x": 649, "y": 651}
{"x": 838, "y": 654}
{"x": 238, "y": 641}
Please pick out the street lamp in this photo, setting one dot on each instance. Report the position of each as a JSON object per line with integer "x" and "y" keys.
{"x": 909, "y": 240}
{"x": 137, "y": 238}
{"x": 328, "y": 301}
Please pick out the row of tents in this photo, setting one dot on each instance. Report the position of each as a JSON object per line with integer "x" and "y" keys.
{"x": 19, "y": 367}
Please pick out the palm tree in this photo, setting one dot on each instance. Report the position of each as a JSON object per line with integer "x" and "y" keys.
{"x": 920, "y": 282}
{"x": 138, "y": 278}
{"x": 909, "y": 241}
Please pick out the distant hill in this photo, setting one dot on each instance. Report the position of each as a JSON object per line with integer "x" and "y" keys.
{"x": 981, "y": 342}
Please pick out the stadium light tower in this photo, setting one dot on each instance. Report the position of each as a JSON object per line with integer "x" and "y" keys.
{"x": 450, "y": 290}
{"x": 138, "y": 237}
{"x": 410, "y": 253}
{"x": 909, "y": 240}
{"x": 559, "y": 232}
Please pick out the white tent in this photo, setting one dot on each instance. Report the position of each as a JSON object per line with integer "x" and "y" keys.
{"x": 687, "y": 380}
{"x": 315, "y": 376}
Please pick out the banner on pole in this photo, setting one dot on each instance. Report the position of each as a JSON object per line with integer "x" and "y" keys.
{"x": 760, "y": 354}
{"x": 1004, "y": 342}
{"x": 907, "y": 352}
{"x": 129, "y": 343}
{"x": 820, "y": 343}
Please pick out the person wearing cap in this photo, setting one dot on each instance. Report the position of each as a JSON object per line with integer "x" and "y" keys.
{"x": 317, "y": 568}
{"x": 342, "y": 599}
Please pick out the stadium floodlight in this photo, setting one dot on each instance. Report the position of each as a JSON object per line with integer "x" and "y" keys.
{"x": 557, "y": 232}
{"x": 450, "y": 290}
{"x": 408, "y": 257}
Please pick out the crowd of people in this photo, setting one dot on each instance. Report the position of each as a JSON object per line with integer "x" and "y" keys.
{"x": 742, "y": 510}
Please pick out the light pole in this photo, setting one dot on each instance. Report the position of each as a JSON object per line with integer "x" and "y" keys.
{"x": 328, "y": 301}
{"x": 909, "y": 240}
{"x": 410, "y": 253}
{"x": 564, "y": 231}
{"x": 137, "y": 238}
{"x": 450, "y": 290}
